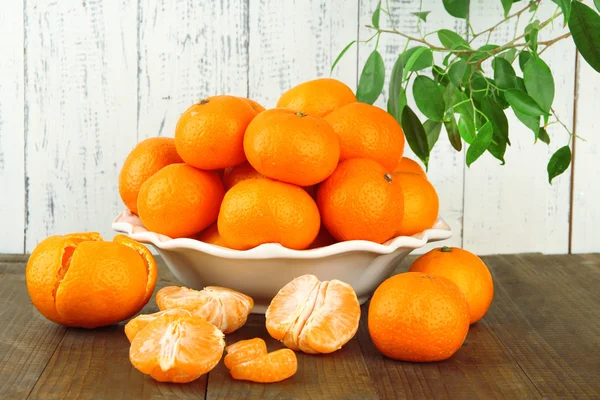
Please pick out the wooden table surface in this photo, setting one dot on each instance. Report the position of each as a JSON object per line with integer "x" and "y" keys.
{"x": 541, "y": 338}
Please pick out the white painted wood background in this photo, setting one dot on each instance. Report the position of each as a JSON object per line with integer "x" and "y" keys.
{"x": 82, "y": 81}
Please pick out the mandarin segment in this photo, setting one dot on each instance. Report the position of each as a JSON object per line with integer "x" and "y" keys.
{"x": 180, "y": 201}
{"x": 361, "y": 201}
{"x": 177, "y": 349}
{"x": 417, "y": 317}
{"x": 135, "y": 325}
{"x": 260, "y": 211}
{"x": 209, "y": 135}
{"x": 366, "y": 131}
{"x": 318, "y": 97}
{"x": 466, "y": 270}
{"x": 291, "y": 147}
{"x": 243, "y": 351}
{"x": 313, "y": 316}
{"x": 272, "y": 367}
{"x": 227, "y": 309}
{"x": 147, "y": 158}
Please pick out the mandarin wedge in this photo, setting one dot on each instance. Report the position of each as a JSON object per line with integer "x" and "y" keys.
{"x": 177, "y": 349}
{"x": 272, "y": 367}
{"x": 243, "y": 351}
{"x": 135, "y": 325}
{"x": 225, "y": 308}
{"x": 80, "y": 280}
{"x": 314, "y": 316}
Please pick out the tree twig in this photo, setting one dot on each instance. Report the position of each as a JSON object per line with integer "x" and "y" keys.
{"x": 517, "y": 14}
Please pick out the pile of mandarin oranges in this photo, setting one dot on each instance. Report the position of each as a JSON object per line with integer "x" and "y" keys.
{"x": 319, "y": 168}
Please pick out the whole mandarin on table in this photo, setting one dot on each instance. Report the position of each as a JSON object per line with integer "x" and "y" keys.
{"x": 79, "y": 280}
{"x": 210, "y": 134}
{"x": 418, "y": 317}
{"x": 410, "y": 166}
{"x": 180, "y": 200}
{"x": 291, "y": 146}
{"x": 466, "y": 270}
{"x": 317, "y": 97}
{"x": 148, "y": 157}
{"x": 361, "y": 201}
{"x": 421, "y": 204}
{"x": 366, "y": 131}
{"x": 260, "y": 211}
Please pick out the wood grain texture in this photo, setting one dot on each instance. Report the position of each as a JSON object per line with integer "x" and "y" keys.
{"x": 81, "y": 91}
{"x": 188, "y": 51}
{"x": 12, "y": 139}
{"x": 27, "y": 339}
{"x": 586, "y": 191}
{"x": 340, "y": 375}
{"x": 546, "y": 312}
{"x": 446, "y": 166}
{"x": 294, "y": 41}
{"x": 512, "y": 208}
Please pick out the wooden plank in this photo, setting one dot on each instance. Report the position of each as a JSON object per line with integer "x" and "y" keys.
{"x": 12, "y": 140}
{"x": 188, "y": 51}
{"x": 340, "y": 375}
{"x": 27, "y": 339}
{"x": 81, "y": 102}
{"x": 446, "y": 166}
{"x": 586, "y": 191}
{"x": 546, "y": 311}
{"x": 512, "y": 208}
{"x": 482, "y": 368}
{"x": 293, "y": 41}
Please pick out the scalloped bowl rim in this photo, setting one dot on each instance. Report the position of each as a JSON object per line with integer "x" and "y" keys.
{"x": 129, "y": 224}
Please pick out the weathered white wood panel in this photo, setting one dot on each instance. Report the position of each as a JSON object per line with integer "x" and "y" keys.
{"x": 512, "y": 208}
{"x": 81, "y": 107}
{"x": 292, "y": 41}
{"x": 446, "y": 166}
{"x": 188, "y": 51}
{"x": 12, "y": 174}
{"x": 586, "y": 187}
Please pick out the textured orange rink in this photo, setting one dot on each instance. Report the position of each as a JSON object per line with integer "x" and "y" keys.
{"x": 407, "y": 165}
{"x": 466, "y": 270}
{"x": 238, "y": 173}
{"x": 417, "y": 317}
{"x": 211, "y": 235}
{"x": 313, "y": 316}
{"x": 177, "y": 349}
{"x": 80, "y": 280}
{"x": 225, "y": 308}
{"x": 317, "y": 97}
{"x": 421, "y": 204}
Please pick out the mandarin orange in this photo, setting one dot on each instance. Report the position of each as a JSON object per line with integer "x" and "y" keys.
{"x": 255, "y": 106}
{"x": 317, "y": 97}
{"x": 407, "y": 165}
{"x": 421, "y": 204}
{"x": 210, "y": 235}
{"x": 238, "y": 173}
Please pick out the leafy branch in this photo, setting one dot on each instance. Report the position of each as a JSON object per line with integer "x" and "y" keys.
{"x": 470, "y": 103}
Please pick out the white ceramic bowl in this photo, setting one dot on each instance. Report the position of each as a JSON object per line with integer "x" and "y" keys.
{"x": 260, "y": 272}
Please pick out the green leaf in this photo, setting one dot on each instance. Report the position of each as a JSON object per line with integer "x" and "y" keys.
{"x": 451, "y": 40}
{"x": 524, "y": 56}
{"x": 375, "y": 16}
{"x": 531, "y": 34}
{"x": 466, "y": 129}
{"x": 565, "y": 6}
{"x": 432, "y": 130}
{"x": 480, "y": 144}
{"x": 457, "y": 8}
{"x": 532, "y": 123}
{"x": 559, "y": 162}
{"x": 417, "y": 58}
{"x": 521, "y": 84}
{"x": 539, "y": 82}
{"x": 422, "y": 15}
{"x": 498, "y": 96}
{"x": 480, "y": 86}
{"x": 497, "y": 117}
{"x": 397, "y": 95}
{"x": 483, "y": 52}
{"x": 497, "y": 149}
{"x": 584, "y": 24}
{"x": 447, "y": 59}
{"x": 504, "y": 74}
{"x": 543, "y": 136}
{"x": 339, "y": 57}
{"x": 428, "y": 98}
{"x": 452, "y": 130}
{"x": 509, "y": 55}
{"x": 415, "y": 135}
{"x": 597, "y": 4}
{"x": 457, "y": 71}
{"x": 371, "y": 79}
{"x": 523, "y": 103}
{"x": 506, "y": 5}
